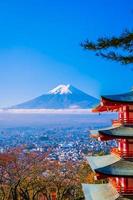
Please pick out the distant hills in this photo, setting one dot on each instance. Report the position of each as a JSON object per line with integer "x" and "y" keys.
{"x": 61, "y": 97}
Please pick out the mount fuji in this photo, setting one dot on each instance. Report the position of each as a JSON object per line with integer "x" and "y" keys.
{"x": 61, "y": 97}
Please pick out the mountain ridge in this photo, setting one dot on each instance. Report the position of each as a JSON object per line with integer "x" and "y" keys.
{"x": 61, "y": 97}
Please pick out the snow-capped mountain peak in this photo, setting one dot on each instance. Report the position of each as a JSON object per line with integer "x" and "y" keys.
{"x": 61, "y": 89}
{"x": 61, "y": 97}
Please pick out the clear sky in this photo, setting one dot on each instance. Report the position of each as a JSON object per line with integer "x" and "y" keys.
{"x": 40, "y": 47}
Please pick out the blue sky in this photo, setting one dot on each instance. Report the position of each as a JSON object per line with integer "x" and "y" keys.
{"x": 40, "y": 47}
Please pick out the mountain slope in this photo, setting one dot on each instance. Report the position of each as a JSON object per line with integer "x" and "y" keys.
{"x": 61, "y": 97}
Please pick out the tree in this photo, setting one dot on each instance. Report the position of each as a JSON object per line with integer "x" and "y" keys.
{"x": 119, "y": 49}
{"x": 65, "y": 180}
{"x": 32, "y": 176}
{"x": 20, "y": 174}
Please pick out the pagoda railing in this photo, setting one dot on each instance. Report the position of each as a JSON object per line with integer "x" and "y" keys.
{"x": 123, "y": 190}
{"x": 126, "y": 190}
{"x": 116, "y": 151}
{"x": 122, "y": 121}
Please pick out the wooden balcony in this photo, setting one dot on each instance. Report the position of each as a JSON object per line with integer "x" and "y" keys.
{"x": 125, "y": 154}
{"x": 119, "y": 122}
{"x": 126, "y": 190}
{"x": 116, "y": 122}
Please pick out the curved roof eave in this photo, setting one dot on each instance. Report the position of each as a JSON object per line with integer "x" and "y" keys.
{"x": 126, "y": 98}
{"x": 118, "y": 132}
{"x": 121, "y": 168}
{"x": 100, "y": 191}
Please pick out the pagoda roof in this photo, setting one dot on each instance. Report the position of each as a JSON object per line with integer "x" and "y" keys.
{"x": 117, "y": 132}
{"x": 106, "y": 107}
{"x": 122, "y": 168}
{"x": 111, "y": 165}
{"x": 113, "y": 102}
{"x": 100, "y": 192}
{"x": 123, "y": 98}
{"x": 97, "y": 162}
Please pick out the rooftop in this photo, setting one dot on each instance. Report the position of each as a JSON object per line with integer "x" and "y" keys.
{"x": 113, "y": 102}
{"x": 119, "y": 132}
{"x": 97, "y": 162}
{"x": 100, "y": 192}
{"x": 122, "y": 168}
{"x": 111, "y": 165}
{"x": 124, "y": 98}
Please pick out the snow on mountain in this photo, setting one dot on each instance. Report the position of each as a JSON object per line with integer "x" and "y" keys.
{"x": 61, "y": 89}
{"x": 61, "y": 97}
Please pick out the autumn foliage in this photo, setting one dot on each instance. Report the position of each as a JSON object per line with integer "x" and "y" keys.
{"x": 32, "y": 176}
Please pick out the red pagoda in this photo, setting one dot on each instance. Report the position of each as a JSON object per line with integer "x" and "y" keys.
{"x": 117, "y": 167}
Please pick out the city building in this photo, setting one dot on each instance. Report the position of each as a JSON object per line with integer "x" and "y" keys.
{"x": 117, "y": 167}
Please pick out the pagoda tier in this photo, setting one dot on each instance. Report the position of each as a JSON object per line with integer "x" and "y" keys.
{"x": 124, "y": 136}
{"x": 102, "y": 192}
{"x": 118, "y": 170}
{"x": 114, "y": 102}
{"x": 121, "y": 168}
{"x": 117, "y": 167}
{"x": 122, "y": 103}
{"x": 125, "y": 98}
{"x": 120, "y": 132}
{"x": 97, "y": 162}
